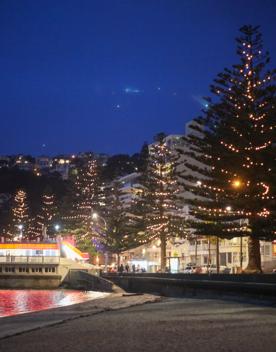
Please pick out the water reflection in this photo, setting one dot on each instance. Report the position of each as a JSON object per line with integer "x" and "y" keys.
{"x": 13, "y": 302}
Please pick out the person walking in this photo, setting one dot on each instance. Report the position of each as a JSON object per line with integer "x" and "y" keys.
{"x": 121, "y": 269}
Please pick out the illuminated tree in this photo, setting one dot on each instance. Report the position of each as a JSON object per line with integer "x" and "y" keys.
{"x": 48, "y": 213}
{"x": 231, "y": 147}
{"x": 117, "y": 229}
{"x": 159, "y": 204}
{"x": 89, "y": 193}
{"x": 42, "y": 225}
{"x": 20, "y": 215}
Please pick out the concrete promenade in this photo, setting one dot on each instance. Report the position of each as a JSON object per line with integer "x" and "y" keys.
{"x": 172, "y": 324}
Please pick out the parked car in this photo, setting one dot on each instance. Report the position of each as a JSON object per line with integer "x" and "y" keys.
{"x": 225, "y": 270}
{"x": 209, "y": 269}
{"x": 212, "y": 269}
{"x": 192, "y": 269}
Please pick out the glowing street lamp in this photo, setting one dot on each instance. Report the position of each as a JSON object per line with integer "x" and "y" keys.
{"x": 96, "y": 217}
{"x": 228, "y": 208}
{"x": 236, "y": 183}
{"x": 57, "y": 227}
{"x": 21, "y": 231}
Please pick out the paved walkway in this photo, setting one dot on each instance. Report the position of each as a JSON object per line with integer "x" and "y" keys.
{"x": 170, "y": 325}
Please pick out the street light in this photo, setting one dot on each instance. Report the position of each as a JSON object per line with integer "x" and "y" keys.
{"x": 236, "y": 183}
{"x": 96, "y": 216}
{"x": 57, "y": 227}
{"x": 229, "y": 209}
{"x": 21, "y": 231}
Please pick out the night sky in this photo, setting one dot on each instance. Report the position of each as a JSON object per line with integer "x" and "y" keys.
{"x": 105, "y": 75}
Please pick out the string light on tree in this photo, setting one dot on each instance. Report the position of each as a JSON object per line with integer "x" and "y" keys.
{"x": 236, "y": 150}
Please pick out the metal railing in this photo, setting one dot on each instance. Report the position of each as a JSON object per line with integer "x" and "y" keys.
{"x": 10, "y": 259}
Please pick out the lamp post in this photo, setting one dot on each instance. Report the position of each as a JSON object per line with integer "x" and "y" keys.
{"x": 229, "y": 209}
{"x": 237, "y": 184}
{"x": 241, "y": 254}
{"x": 96, "y": 216}
{"x": 57, "y": 228}
{"x": 21, "y": 231}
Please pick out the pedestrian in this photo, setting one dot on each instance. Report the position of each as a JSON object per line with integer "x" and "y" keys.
{"x": 121, "y": 269}
{"x": 133, "y": 268}
{"x": 127, "y": 268}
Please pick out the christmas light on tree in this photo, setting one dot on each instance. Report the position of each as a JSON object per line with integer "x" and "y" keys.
{"x": 233, "y": 150}
{"x": 159, "y": 204}
{"x": 43, "y": 224}
{"x": 117, "y": 229}
{"x": 47, "y": 214}
{"x": 89, "y": 195}
{"x": 20, "y": 215}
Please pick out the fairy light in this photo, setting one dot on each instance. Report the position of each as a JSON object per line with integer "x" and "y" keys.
{"x": 20, "y": 213}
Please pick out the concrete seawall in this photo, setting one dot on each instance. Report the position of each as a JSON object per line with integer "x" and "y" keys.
{"x": 30, "y": 281}
{"x": 82, "y": 280}
{"x": 170, "y": 285}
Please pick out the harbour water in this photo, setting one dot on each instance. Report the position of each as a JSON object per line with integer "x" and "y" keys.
{"x": 14, "y": 302}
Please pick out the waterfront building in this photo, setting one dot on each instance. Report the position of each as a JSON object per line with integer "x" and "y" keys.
{"x": 182, "y": 252}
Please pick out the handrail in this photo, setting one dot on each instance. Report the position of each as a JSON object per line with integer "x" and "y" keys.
{"x": 10, "y": 259}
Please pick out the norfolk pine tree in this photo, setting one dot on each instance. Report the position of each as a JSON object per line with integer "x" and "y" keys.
{"x": 159, "y": 204}
{"x": 236, "y": 145}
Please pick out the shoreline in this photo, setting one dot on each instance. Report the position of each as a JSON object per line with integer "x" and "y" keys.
{"x": 72, "y": 296}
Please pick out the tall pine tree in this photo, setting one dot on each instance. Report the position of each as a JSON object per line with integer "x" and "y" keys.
{"x": 19, "y": 225}
{"x": 116, "y": 229}
{"x": 42, "y": 225}
{"x": 158, "y": 204}
{"x": 232, "y": 148}
{"x": 89, "y": 193}
{"x": 48, "y": 213}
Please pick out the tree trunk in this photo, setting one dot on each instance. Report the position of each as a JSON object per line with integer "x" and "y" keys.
{"x": 118, "y": 260}
{"x": 163, "y": 252}
{"x": 254, "y": 256}
{"x": 209, "y": 252}
{"x": 217, "y": 254}
{"x": 196, "y": 252}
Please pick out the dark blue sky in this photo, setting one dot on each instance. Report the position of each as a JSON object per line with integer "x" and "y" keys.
{"x": 106, "y": 75}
